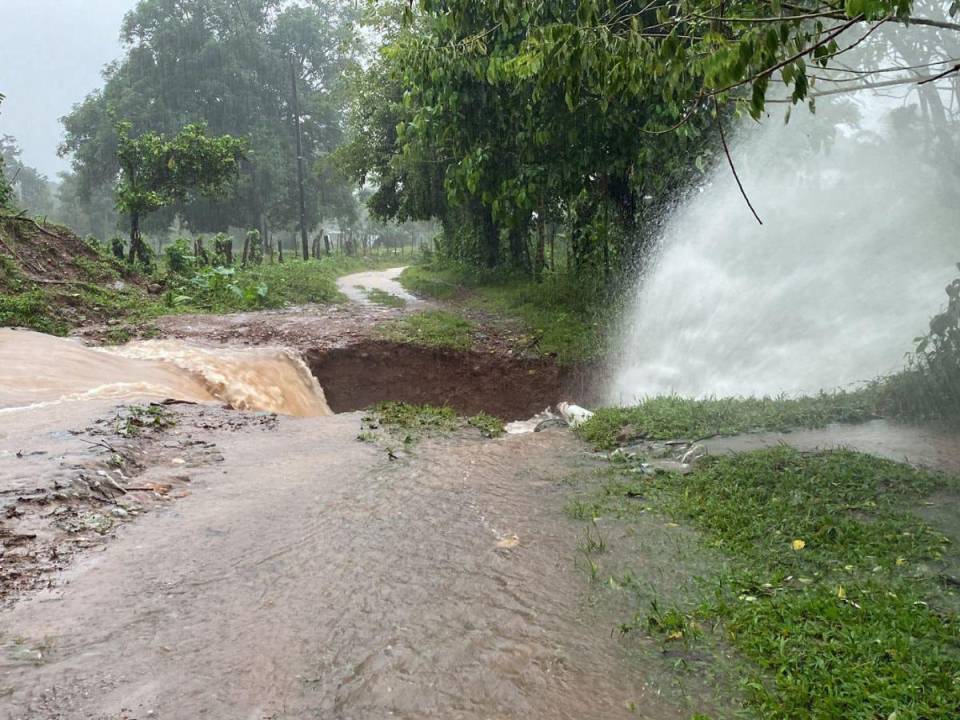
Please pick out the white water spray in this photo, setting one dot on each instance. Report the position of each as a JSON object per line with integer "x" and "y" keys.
{"x": 859, "y": 239}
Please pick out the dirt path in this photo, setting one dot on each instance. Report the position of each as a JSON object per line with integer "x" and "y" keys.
{"x": 308, "y": 576}
{"x": 357, "y": 286}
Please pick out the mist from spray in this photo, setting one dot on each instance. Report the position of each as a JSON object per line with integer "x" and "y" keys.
{"x": 858, "y": 241}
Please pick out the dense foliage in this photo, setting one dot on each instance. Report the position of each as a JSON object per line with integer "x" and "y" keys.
{"x": 231, "y": 65}
{"x": 156, "y": 172}
{"x": 522, "y": 126}
{"x": 6, "y": 190}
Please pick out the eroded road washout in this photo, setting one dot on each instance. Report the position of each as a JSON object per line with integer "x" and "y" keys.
{"x": 300, "y": 573}
{"x": 281, "y": 568}
{"x": 308, "y": 576}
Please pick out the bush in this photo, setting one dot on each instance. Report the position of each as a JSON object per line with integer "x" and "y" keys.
{"x": 180, "y": 258}
{"x": 929, "y": 387}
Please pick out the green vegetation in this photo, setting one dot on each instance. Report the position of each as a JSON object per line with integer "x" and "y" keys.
{"x": 834, "y": 592}
{"x": 564, "y": 318}
{"x": 295, "y": 282}
{"x": 138, "y": 418}
{"x": 929, "y": 387}
{"x": 671, "y": 416}
{"x": 156, "y": 172}
{"x": 379, "y": 297}
{"x": 415, "y": 421}
{"x": 433, "y": 328}
{"x": 92, "y": 286}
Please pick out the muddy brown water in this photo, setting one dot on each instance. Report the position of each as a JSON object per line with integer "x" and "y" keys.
{"x": 41, "y": 370}
{"x": 309, "y": 576}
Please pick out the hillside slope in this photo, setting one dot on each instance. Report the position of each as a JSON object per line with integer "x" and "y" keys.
{"x": 52, "y": 280}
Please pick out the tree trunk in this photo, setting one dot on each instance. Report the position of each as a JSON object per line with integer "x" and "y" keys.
{"x": 138, "y": 250}
{"x": 541, "y": 241}
{"x": 300, "y": 190}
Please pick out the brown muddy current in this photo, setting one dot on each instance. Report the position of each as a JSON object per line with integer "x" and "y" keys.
{"x": 308, "y": 576}
{"x": 39, "y": 370}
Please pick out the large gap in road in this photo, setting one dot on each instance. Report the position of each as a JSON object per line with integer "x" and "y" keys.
{"x": 370, "y": 372}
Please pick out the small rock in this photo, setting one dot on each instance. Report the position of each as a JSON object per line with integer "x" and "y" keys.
{"x": 667, "y": 466}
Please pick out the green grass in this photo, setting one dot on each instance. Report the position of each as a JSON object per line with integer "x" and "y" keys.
{"x": 417, "y": 420}
{"x": 560, "y": 316}
{"x": 433, "y": 328}
{"x": 381, "y": 297}
{"x": 832, "y": 592}
{"x": 671, "y": 416}
{"x": 91, "y": 297}
{"x": 30, "y": 309}
{"x": 294, "y": 282}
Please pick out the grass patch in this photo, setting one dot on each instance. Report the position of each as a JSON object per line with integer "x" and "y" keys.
{"x": 381, "y": 297}
{"x": 294, "y": 282}
{"x": 434, "y": 328}
{"x": 671, "y": 416}
{"x": 559, "y": 314}
{"x": 414, "y": 421}
{"x": 832, "y": 591}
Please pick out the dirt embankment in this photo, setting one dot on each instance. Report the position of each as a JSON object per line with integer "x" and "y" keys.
{"x": 52, "y": 280}
{"x": 472, "y": 381}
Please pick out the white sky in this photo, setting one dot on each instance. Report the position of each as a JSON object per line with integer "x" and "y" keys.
{"x": 51, "y": 55}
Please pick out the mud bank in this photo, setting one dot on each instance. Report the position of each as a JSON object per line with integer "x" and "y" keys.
{"x": 363, "y": 374}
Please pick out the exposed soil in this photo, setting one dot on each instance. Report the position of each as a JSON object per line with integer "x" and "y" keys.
{"x": 368, "y": 372}
{"x": 53, "y": 262}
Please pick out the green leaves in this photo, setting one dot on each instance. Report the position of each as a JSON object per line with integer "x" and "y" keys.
{"x": 157, "y": 172}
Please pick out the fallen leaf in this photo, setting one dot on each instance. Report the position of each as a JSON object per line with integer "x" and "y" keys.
{"x": 508, "y": 542}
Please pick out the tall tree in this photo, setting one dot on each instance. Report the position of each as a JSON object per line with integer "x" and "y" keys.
{"x": 224, "y": 63}
{"x": 156, "y": 172}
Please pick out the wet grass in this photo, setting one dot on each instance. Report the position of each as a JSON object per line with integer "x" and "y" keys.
{"x": 671, "y": 416}
{"x": 409, "y": 422}
{"x": 559, "y": 314}
{"x": 833, "y": 592}
{"x": 381, "y": 297}
{"x": 433, "y": 328}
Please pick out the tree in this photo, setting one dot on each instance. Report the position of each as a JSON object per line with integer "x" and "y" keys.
{"x": 449, "y": 125}
{"x": 6, "y": 189}
{"x": 225, "y": 63}
{"x": 157, "y": 172}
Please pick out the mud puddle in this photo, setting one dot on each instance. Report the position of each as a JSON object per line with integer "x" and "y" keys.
{"x": 916, "y": 445}
{"x": 336, "y": 583}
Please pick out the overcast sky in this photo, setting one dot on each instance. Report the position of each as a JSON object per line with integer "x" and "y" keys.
{"x": 51, "y": 55}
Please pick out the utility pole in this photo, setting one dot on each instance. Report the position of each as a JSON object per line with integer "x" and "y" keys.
{"x": 296, "y": 125}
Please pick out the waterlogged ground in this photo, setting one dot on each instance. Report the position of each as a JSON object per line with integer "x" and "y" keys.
{"x": 194, "y": 561}
{"x": 334, "y": 582}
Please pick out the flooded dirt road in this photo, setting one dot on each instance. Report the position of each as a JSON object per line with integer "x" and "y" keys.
{"x": 357, "y": 287}
{"x": 308, "y": 576}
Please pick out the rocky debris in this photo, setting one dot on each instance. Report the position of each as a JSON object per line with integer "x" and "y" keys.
{"x": 650, "y": 457}
{"x": 124, "y": 465}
